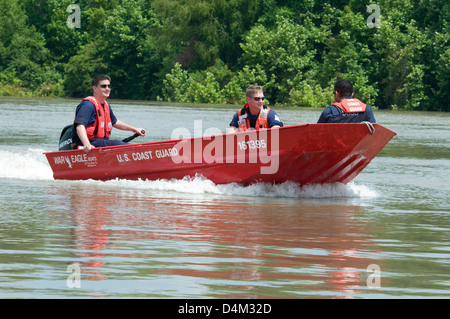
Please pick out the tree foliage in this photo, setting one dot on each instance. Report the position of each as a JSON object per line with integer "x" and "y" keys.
{"x": 210, "y": 51}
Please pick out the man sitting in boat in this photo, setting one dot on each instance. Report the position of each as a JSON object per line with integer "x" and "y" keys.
{"x": 346, "y": 109}
{"x": 94, "y": 118}
{"x": 254, "y": 114}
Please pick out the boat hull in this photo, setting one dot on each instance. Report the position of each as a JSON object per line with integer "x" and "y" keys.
{"x": 307, "y": 153}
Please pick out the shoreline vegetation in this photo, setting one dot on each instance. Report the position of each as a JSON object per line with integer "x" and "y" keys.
{"x": 395, "y": 52}
{"x": 232, "y": 107}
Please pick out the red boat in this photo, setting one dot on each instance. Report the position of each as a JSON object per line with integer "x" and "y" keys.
{"x": 306, "y": 153}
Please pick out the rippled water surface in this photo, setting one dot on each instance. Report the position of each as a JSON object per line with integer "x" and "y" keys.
{"x": 384, "y": 235}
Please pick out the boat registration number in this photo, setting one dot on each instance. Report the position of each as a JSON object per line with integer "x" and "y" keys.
{"x": 253, "y": 144}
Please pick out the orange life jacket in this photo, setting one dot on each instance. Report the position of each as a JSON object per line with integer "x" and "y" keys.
{"x": 102, "y": 126}
{"x": 244, "y": 122}
{"x": 351, "y": 105}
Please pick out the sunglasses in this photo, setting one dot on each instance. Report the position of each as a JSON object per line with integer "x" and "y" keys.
{"x": 105, "y": 86}
{"x": 256, "y": 98}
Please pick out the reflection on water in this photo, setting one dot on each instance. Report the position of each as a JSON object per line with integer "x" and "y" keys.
{"x": 248, "y": 248}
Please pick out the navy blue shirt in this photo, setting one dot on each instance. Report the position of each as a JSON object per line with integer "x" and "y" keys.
{"x": 85, "y": 115}
{"x": 333, "y": 114}
{"x": 272, "y": 119}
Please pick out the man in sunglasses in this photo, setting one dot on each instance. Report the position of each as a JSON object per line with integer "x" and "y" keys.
{"x": 94, "y": 118}
{"x": 254, "y": 115}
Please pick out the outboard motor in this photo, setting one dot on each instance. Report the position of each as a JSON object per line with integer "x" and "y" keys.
{"x": 65, "y": 140}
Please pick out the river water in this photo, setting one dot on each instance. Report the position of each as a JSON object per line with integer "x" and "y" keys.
{"x": 384, "y": 235}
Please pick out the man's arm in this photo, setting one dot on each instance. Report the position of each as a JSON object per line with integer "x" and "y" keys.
{"x": 126, "y": 127}
{"x": 371, "y": 115}
{"x": 324, "y": 115}
{"x": 233, "y": 129}
{"x": 234, "y": 124}
{"x": 274, "y": 120}
{"x": 81, "y": 131}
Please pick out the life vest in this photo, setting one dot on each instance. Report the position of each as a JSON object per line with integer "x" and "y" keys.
{"x": 351, "y": 105}
{"x": 261, "y": 121}
{"x": 351, "y": 111}
{"x": 102, "y": 126}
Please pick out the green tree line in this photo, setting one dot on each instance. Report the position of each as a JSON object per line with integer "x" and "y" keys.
{"x": 396, "y": 53}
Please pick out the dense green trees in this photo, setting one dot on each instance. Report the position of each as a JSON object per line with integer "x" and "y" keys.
{"x": 396, "y": 53}
{"x": 22, "y": 49}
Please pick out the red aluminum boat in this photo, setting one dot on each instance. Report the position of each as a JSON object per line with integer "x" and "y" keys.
{"x": 306, "y": 153}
